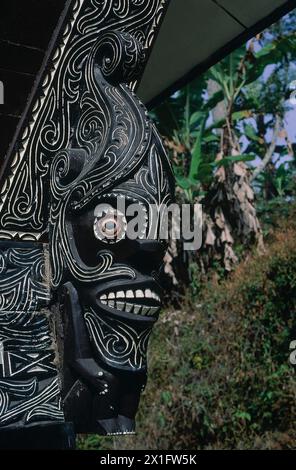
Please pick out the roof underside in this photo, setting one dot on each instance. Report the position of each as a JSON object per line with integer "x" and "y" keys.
{"x": 195, "y": 34}
{"x": 26, "y": 28}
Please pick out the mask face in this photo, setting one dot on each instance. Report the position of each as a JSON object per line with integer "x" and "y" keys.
{"x": 108, "y": 197}
{"x": 119, "y": 225}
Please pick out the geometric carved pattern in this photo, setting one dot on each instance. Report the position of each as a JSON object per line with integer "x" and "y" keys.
{"x": 29, "y": 389}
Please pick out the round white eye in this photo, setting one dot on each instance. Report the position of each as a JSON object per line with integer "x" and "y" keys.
{"x": 110, "y": 224}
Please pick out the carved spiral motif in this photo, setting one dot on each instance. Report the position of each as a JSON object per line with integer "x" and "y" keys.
{"x": 114, "y": 133}
{"x": 23, "y": 196}
{"x": 121, "y": 57}
{"x": 118, "y": 343}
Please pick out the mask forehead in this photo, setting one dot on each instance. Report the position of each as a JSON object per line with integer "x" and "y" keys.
{"x": 151, "y": 183}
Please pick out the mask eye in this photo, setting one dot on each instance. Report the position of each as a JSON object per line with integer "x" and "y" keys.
{"x": 110, "y": 224}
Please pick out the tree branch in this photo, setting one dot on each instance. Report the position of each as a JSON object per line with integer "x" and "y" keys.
{"x": 270, "y": 150}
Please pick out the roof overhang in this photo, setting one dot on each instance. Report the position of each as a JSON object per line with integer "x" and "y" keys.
{"x": 196, "y": 34}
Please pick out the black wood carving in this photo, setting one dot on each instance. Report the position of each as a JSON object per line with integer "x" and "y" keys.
{"x": 112, "y": 294}
{"x": 77, "y": 309}
{"x": 50, "y": 122}
{"x": 29, "y": 386}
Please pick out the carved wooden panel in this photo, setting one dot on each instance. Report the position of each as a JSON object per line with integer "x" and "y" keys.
{"x": 87, "y": 140}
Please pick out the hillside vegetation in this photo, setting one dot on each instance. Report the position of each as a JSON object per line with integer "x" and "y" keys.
{"x": 220, "y": 375}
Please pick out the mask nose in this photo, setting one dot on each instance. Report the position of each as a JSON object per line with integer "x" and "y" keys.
{"x": 147, "y": 256}
{"x": 150, "y": 246}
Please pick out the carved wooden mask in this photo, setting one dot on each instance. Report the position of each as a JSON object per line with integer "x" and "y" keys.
{"x": 78, "y": 297}
{"x": 110, "y": 284}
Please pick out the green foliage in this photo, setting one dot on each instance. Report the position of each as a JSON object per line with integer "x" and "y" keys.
{"x": 280, "y": 184}
{"x": 94, "y": 442}
{"x": 218, "y": 130}
{"x": 252, "y": 85}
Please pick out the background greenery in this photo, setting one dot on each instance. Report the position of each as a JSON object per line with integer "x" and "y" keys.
{"x": 219, "y": 358}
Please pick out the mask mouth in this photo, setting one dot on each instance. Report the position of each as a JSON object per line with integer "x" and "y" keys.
{"x": 132, "y": 300}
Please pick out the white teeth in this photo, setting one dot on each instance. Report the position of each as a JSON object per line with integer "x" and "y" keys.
{"x": 139, "y": 294}
{"x": 145, "y": 310}
{"x": 153, "y": 310}
{"x": 148, "y": 293}
{"x": 120, "y": 305}
{"x": 120, "y": 295}
{"x": 132, "y": 308}
{"x": 128, "y": 307}
{"x": 112, "y": 299}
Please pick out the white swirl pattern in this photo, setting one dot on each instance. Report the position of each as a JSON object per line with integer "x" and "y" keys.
{"x": 23, "y": 196}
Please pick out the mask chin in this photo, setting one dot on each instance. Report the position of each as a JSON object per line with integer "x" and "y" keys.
{"x": 97, "y": 398}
